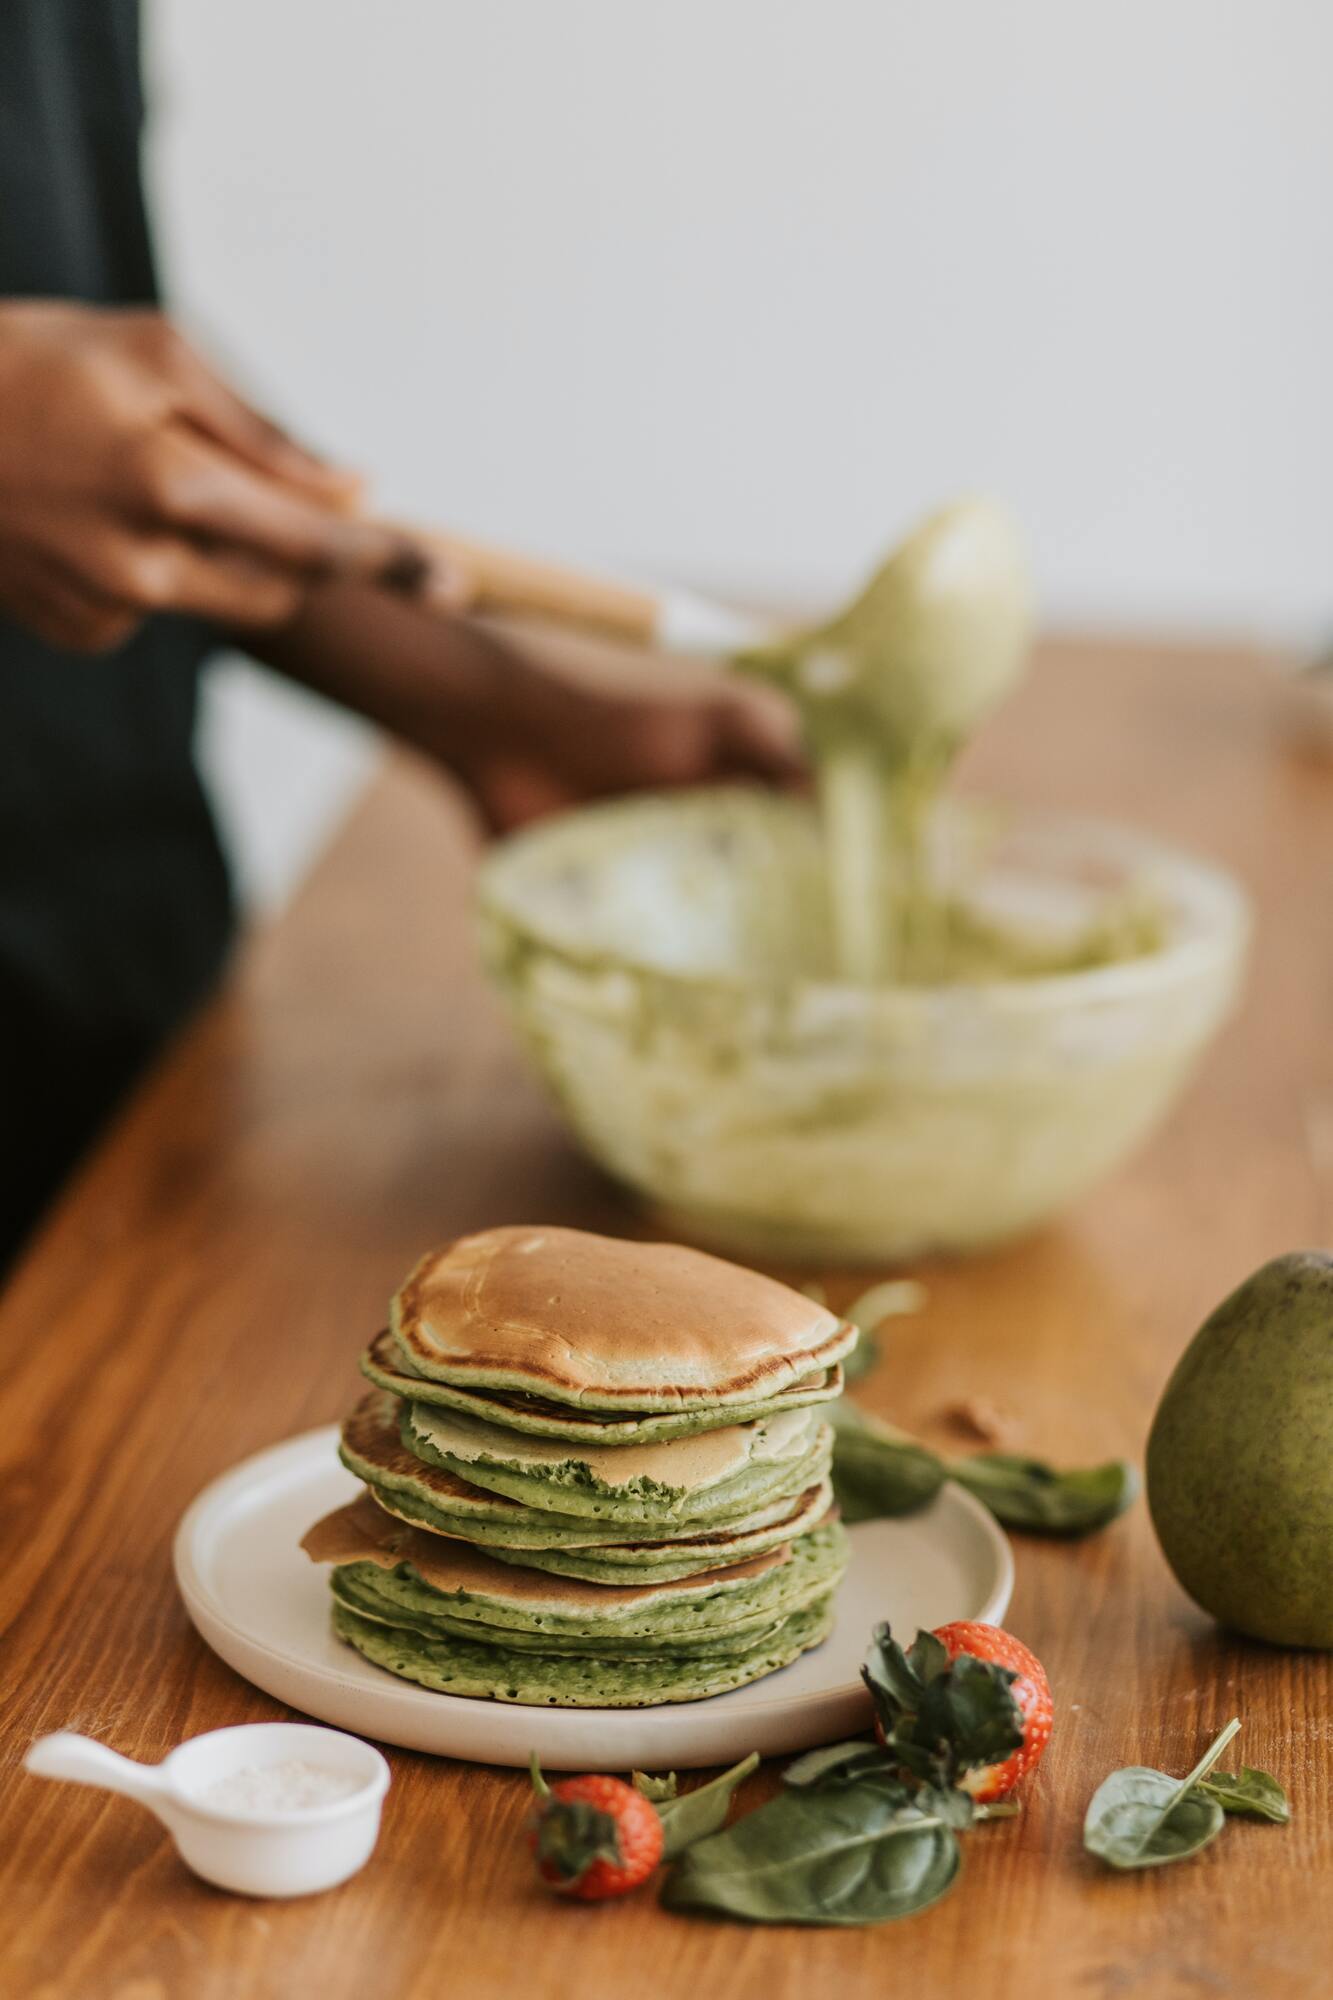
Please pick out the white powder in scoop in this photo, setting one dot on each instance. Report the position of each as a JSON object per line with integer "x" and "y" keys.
{"x": 279, "y": 1788}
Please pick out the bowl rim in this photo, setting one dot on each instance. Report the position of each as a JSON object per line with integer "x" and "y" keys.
{"x": 1226, "y": 907}
{"x": 368, "y": 1791}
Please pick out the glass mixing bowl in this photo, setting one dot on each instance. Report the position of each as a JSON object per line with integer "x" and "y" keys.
{"x": 656, "y": 957}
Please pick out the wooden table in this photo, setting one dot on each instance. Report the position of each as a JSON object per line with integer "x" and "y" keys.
{"x": 353, "y": 1097}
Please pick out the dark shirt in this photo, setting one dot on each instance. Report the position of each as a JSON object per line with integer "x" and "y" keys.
{"x": 114, "y": 901}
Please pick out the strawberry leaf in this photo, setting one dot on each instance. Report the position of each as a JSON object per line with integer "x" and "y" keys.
{"x": 971, "y": 1710}
{"x": 940, "y": 1717}
{"x": 928, "y": 1657}
{"x": 655, "y": 1790}
{"x": 895, "y": 1686}
{"x": 571, "y": 1835}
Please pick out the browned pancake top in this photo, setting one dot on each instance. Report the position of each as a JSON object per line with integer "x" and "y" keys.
{"x": 383, "y": 1352}
{"x": 648, "y": 1325}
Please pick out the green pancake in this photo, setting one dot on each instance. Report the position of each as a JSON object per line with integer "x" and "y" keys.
{"x": 470, "y": 1579}
{"x": 583, "y": 1554}
{"x": 374, "y": 1603}
{"x": 437, "y": 1498}
{"x": 386, "y": 1365}
{"x": 595, "y": 1475}
{"x": 716, "y": 1476}
{"x": 715, "y": 1615}
{"x": 598, "y": 1323}
{"x": 503, "y": 1673}
{"x": 663, "y": 1562}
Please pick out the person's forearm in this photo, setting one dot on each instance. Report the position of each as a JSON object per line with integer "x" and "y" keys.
{"x": 525, "y": 734}
{"x": 434, "y": 681}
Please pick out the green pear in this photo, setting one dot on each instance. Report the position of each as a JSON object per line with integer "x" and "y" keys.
{"x": 1240, "y": 1456}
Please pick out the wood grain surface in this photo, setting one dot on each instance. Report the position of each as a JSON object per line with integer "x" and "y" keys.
{"x": 353, "y": 1097}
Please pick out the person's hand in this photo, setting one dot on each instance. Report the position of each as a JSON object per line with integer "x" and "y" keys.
{"x": 133, "y": 480}
{"x": 554, "y": 739}
{"x": 530, "y": 731}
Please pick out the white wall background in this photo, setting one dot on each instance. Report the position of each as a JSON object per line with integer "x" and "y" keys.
{"x": 732, "y": 289}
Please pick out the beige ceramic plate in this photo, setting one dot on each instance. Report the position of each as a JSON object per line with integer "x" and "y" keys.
{"x": 263, "y": 1608}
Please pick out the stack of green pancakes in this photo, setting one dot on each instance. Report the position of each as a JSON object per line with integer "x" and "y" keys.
{"x": 596, "y": 1473}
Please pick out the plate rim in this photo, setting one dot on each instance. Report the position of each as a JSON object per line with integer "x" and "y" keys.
{"x": 200, "y": 1598}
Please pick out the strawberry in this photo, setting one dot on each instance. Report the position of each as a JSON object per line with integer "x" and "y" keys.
{"x": 1031, "y": 1690}
{"x": 594, "y": 1837}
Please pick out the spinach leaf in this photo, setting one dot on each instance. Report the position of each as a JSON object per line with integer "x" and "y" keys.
{"x": 855, "y": 1764}
{"x": 832, "y": 1760}
{"x": 869, "y": 1312}
{"x": 1139, "y": 1818}
{"x": 1027, "y": 1493}
{"x": 863, "y": 1832}
{"x": 1247, "y": 1791}
{"x": 691, "y": 1816}
{"x": 864, "y": 1357}
{"x": 890, "y": 1300}
{"x": 879, "y": 1472}
{"x": 852, "y": 1855}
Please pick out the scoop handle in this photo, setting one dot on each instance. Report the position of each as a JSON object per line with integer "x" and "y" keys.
{"x": 82, "y": 1761}
{"x": 482, "y": 579}
{"x": 477, "y": 579}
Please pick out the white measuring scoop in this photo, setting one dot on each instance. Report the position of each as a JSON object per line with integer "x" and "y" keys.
{"x": 258, "y": 1851}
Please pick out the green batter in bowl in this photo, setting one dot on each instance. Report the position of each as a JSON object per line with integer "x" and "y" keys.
{"x": 669, "y": 964}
